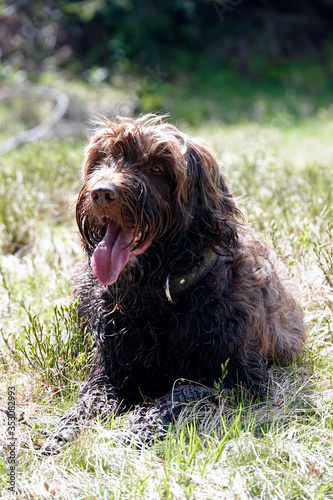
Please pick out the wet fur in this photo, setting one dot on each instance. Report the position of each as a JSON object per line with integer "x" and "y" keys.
{"x": 243, "y": 312}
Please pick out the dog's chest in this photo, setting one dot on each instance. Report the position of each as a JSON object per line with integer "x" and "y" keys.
{"x": 154, "y": 350}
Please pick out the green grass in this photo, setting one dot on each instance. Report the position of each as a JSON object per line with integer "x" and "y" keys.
{"x": 280, "y": 168}
{"x": 204, "y": 91}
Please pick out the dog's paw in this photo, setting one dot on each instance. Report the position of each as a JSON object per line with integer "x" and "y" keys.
{"x": 143, "y": 434}
{"x": 145, "y": 428}
{"x": 52, "y": 445}
{"x": 57, "y": 440}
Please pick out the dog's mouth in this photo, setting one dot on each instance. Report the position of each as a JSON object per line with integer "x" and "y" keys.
{"x": 118, "y": 246}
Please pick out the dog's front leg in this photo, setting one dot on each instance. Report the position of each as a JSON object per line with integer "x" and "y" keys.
{"x": 96, "y": 398}
{"x": 152, "y": 423}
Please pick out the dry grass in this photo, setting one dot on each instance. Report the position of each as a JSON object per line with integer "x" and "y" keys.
{"x": 278, "y": 449}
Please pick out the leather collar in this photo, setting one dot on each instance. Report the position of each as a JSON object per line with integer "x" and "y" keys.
{"x": 174, "y": 287}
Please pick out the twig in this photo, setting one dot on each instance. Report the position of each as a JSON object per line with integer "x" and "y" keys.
{"x": 43, "y": 129}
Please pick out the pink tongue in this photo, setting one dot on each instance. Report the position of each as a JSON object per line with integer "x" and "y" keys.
{"x": 112, "y": 254}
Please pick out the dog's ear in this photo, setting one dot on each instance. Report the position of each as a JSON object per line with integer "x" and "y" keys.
{"x": 211, "y": 204}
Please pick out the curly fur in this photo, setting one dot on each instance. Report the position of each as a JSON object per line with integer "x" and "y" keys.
{"x": 168, "y": 193}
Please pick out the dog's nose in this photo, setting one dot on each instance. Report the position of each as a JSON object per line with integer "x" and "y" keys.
{"x": 104, "y": 193}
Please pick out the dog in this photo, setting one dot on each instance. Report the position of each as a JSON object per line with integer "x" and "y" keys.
{"x": 175, "y": 287}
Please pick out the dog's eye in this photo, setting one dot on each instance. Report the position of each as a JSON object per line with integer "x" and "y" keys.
{"x": 156, "y": 169}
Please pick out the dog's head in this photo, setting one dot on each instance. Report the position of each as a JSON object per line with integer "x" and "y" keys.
{"x": 144, "y": 181}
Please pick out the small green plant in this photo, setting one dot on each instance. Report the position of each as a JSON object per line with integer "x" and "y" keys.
{"x": 58, "y": 351}
{"x": 218, "y": 384}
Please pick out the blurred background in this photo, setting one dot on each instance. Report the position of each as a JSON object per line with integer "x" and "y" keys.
{"x": 225, "y": 60}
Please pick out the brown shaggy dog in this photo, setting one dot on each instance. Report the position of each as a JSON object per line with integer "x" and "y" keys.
{"x": 174, "y": 285}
